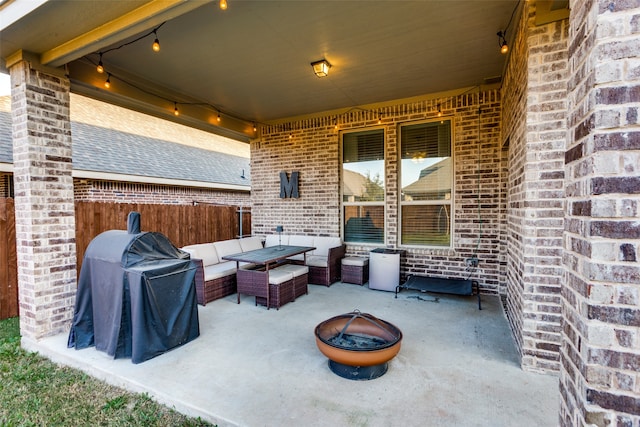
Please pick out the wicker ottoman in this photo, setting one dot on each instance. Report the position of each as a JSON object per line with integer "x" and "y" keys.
{"x": 355, "y": 270}
{"x": 280, "y": 289}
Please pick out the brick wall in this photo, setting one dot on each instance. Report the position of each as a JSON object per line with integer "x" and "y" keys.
{"x": 312, "y": 147}
{"x": 599, "y": 381}
{"x": 126, "y": 192}
{"x": 45, "y": 224}
{"x": 535, "y": 113}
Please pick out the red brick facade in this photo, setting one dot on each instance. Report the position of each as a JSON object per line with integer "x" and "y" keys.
{"x": 312, "y": 147}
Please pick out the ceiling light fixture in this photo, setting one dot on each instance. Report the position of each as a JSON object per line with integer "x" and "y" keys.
{"x": 502, "y": 42}
{"x": 156, "y": 43}
{"x": 321, "y": 68}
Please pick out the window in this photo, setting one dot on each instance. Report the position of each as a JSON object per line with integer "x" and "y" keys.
{"x": 363, "y": 186}
{"x": 426, "y": 177}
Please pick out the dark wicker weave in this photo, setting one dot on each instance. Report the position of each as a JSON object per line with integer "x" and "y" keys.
{"x": 211, "y": 290}
{"x": 356, "y": 274}
{"x": 279, "y": 295}
{"x": 330, "y": 274}
{"x": 252, "y": 282}
{"x": 300, "y": 285}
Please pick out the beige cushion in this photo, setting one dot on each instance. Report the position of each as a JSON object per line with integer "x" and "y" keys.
{"x": 216, "y": 271}
{"x": 317, "y": 261}
{"x": 355, "y": 260}
{"x": 272, "y": 240}
{"x": 227, "y": 247}
{"x": 278, "y": 276}
{"x": 295, "y": 269}
{"x": 300, "y": 241}
{"x": 323, "y": 244}
{"x": 250, "y": 243}
{"x": 204, "y": 251}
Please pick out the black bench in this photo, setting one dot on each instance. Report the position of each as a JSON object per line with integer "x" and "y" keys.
{"x": 441, "y": 285}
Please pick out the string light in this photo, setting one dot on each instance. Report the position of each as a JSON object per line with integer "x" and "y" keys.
{"x": 502, "y": 42}
{"x": 223, "y": 4}
{"x": 335, "y": 124}
{"x": 156, "y": 47}
{"x": 379, "y": 119}
{"x": 439, "y": 111}
{"x": 100, "y": 67}
{"x": 502, "y": 35}
{"x": 156, "y": 43}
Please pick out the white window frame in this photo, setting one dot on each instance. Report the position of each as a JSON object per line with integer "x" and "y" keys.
{"x": 450, "y": 202}
{"x": 382, "y": 202}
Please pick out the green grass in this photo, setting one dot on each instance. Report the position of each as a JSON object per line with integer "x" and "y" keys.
{"x": 36, "y": 392}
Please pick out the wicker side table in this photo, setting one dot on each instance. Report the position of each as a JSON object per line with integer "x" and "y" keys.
{"x": 355, "y": 270}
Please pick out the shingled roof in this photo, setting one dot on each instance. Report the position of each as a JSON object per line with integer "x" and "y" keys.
{"x": 106, "y": 153}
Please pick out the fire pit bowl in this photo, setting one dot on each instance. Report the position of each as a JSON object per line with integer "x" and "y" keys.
{"x": 358, "y": 345}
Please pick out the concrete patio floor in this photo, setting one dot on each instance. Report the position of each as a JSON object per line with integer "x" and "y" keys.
{"x": 458, "y": 366}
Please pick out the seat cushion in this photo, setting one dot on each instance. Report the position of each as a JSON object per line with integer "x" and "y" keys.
{"x": 250, "y": 243}
{"x": 227, "y": 247}
{"x": 216, "y": 271}
{"x": 204, "y": 251}
{"x": 317, "y": 261}
{"x": 295, "y": 269}
{"x": 355, "y": 261}
{"x": 278, "y": 276}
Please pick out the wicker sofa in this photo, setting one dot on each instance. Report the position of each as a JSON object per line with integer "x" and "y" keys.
{"x": 215, "y": 277}
{"x": 324, "y": 262}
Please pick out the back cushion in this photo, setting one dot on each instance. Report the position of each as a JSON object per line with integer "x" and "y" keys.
{"x": 301, "y": 240}
{"x": 204, "y": 251}
{"x": 272, "y": 240}
{"x": 227, "y": 247}
{"x": 250, "y": 243}
{"x": 323, "y": 244}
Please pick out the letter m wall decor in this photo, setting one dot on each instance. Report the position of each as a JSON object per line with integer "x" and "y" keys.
{"x": 289, "y": 187}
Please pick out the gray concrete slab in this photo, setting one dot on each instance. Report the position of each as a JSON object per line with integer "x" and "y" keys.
{"x": 458, "y": 366}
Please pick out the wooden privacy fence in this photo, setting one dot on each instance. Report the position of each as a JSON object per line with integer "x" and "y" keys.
{"x": 182, "y": 224}
{"x": 8, "y": 261}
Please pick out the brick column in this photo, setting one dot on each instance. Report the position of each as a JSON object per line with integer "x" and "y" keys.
{"x": 600, "y": 354}
{"x": 534, "y": 125}
{"x": 45, "y": 221}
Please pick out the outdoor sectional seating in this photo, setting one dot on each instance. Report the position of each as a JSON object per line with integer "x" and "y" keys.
{"x": 324, "y": 262}
{"x": 215, "y": 277}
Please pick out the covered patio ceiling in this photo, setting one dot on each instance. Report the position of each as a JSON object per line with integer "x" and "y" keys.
{"x": 250, "y": 64}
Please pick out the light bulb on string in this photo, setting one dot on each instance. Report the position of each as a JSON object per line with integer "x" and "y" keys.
{"x": 439, "y": 111}
{"x": 175, "y": 109}
{"x": 255, "y": 128}
{"x": 107, "y": 83}
{"x": 502, "y": 42}
{"x": 219, "y": 118}
{"x": 100, "y": 67}
{"x": 223, "y": 4}
{"x": 156, "y": 43}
